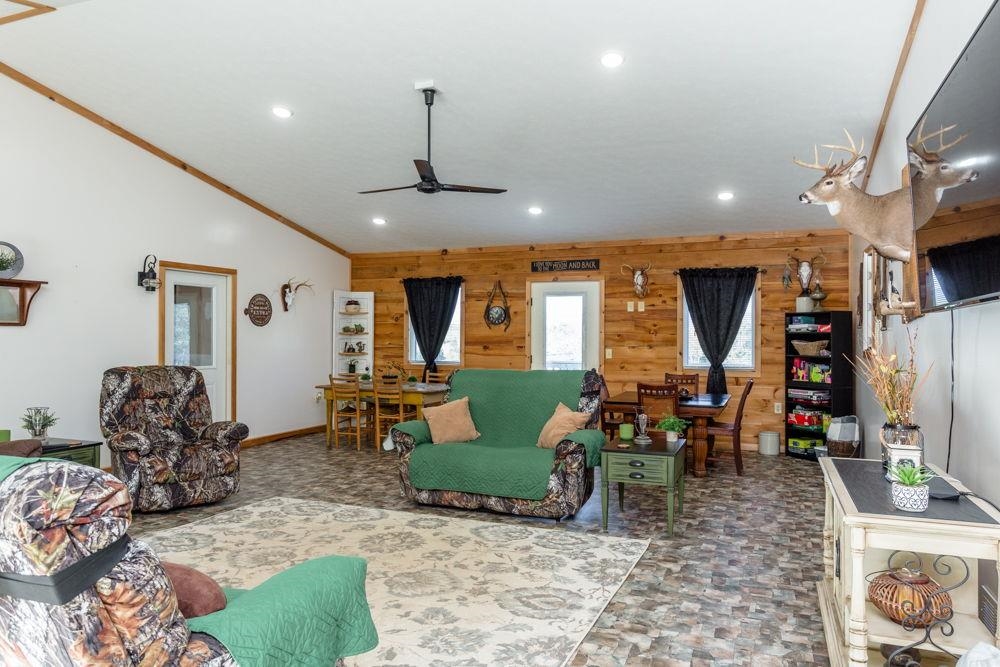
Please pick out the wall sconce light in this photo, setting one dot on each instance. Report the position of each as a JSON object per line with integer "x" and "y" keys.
{"x": 147, "y": 277}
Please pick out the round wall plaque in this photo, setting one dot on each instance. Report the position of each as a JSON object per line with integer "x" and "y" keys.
{"x": 258, "y": 310}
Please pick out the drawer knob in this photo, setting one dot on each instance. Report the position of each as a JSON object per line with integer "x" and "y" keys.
{"x": 636, "y": 475}
{"x": 637, "y": 464}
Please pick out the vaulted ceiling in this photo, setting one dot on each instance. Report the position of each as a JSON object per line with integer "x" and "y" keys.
{"x": 713, "y": 95}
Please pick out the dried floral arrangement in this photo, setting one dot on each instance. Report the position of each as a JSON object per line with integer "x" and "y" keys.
{"x": 895, "y": 385}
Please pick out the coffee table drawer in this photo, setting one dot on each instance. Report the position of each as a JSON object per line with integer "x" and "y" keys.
{"x": 637, "y": 468}
{"x": 84, "y": 455}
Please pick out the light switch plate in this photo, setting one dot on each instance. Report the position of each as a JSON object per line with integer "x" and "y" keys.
{"x": 630, "y": 306}
{"x": 607, "y": 353}
{"x": 777, "y": 408}
{"x": 642, "y": 306}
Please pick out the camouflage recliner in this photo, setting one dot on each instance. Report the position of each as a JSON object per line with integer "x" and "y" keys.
{"x": 164, "y": 446}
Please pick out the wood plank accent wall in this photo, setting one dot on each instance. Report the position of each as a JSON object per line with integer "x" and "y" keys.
{"x": 644, "y": 344}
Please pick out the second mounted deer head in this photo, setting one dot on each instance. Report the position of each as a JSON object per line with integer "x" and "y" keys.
{"x": 288, "y": 291}
{"x": 640, "y": 278}
{"x": 933, "y": 174}
{"x": 885, "y": 221}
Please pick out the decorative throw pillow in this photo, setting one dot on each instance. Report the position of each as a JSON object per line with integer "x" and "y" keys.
{"x": 451, "y": 422}
{"x": 197, "y": 593}
{"x": 562, "y": 422}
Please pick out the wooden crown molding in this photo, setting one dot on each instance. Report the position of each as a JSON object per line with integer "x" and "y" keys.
{"x": 34, "y": 9}
{"x": 134, "y": 139}
{"x": 904, "y": 55}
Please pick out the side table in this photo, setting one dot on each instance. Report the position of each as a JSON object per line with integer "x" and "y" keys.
{"x": 87, "y": 452}
{"x": 658, "y": 464}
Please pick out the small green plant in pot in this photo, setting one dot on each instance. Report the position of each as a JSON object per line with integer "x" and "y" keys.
{"x": 673, "y": 425}
{"x": 910, "y": 492}
{"x": 38, "y": 421}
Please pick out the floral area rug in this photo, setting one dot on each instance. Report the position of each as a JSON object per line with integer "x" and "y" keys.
{"x": 442, "y": 591}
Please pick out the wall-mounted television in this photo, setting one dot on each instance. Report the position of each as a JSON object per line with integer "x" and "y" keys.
{"x": 955, "y": 179}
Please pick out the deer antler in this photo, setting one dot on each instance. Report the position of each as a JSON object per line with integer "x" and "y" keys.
{"x": 626, "y": 266}
{"x": 922, "y": 139}
{"x": 829, "y": 168}
{"x": 815, "y": 164}
{"x": 304, "y": 283}
{"x": 649, "y": 265}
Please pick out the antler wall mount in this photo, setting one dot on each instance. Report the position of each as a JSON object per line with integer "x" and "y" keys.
{"x": 640, "y": 278}
{"x": 289, "y": 290}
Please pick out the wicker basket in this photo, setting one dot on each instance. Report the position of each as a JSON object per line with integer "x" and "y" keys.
{"x": 903, "y": 594}
{"x": 810, "y": 348}
{"x": 842, "y": 448}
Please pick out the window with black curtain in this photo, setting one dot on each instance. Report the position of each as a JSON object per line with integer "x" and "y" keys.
{"x": 431, "y": 303}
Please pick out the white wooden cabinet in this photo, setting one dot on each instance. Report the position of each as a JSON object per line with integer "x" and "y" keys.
{"x": 353, "y": 332}
{"x": 858, "y": 541}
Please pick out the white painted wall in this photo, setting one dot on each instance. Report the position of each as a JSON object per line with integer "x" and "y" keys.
{"x": 85, "y": 207}
{"x": 944, "y": 30}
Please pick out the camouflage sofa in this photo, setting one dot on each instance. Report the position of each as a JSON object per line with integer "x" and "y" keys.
{"x": 164, "y": 446}
{"x": 56, "y": 513}
{"x": 504, "y": 470}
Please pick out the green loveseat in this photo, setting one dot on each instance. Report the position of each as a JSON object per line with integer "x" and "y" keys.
{"x": 504, "y": 470}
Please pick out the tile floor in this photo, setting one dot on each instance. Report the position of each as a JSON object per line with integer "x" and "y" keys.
{"x": 734, "y": 586}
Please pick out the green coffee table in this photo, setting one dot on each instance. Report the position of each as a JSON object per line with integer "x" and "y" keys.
{"x": 658, "y": 464}
{"x": 87, "y": 452}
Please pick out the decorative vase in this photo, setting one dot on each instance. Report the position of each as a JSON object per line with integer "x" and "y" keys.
{"x": 804, "y": 304}
{"x": 672, "y": 436}
{"x": 41, "y": 434}
{"x": 902, "y": 445}
{"x": 910, "y": 597}
{"x": 911, "y": 498}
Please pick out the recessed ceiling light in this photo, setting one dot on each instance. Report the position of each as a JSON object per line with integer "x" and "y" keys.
{"x": 612, "y": 59}
{"x": 725, "y": 196}
{"x": 282, "y": 112}
{"x": 378, "y": 221}
{"x": 535, "y": 210}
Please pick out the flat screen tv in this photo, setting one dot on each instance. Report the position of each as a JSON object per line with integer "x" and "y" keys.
{"x": 955, "y": 171}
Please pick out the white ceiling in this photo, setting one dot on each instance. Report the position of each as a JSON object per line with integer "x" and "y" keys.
{"x": 713, "y": 95}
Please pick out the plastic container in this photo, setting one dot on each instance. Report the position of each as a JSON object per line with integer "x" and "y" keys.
{"x": 767, "y": 443}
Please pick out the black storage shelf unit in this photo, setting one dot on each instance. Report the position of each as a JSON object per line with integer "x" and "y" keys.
{"x": 841, "y": 386}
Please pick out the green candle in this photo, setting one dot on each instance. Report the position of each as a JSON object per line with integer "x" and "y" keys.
{"x": 625, "y": 431}
{"x": 4, "y": 435}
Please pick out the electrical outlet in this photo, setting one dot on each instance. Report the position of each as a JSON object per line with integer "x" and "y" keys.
{"x": 778, "y": 409}
{"x": 607, "y": 353}
{"x": 630, "y": 306}
{"x": 319, "y": 396}
{"x": 642, "y": 306}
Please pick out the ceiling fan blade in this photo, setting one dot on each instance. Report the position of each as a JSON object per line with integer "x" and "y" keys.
{"x": 425, "y": 170}
{"x": 471, "y": 188}
{"x": 405, "y": 187}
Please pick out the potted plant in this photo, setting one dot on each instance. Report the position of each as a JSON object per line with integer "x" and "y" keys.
{"x": 910, "y": 492}
{"x": 673, "y": 425}
{"x": 352, "y": 366}
{"x": 392, "y": 371}
{"x": 412, "y": 378}
{"x": 365, "y": 377}
{"x": 352, "y": 306}
{"x": 38, "y": 421}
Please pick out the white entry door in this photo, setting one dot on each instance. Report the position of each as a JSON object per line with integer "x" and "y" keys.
{"x": 196, "y": 331}
{"x": 565, "y": 325}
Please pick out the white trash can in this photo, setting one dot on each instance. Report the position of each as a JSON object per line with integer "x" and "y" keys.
{"x": 767, "y": 443}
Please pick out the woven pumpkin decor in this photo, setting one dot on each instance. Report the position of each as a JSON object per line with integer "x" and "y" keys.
{"x": 902, "y": 592}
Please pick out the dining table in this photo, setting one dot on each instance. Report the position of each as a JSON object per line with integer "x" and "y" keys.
{"x": 417, "y": 394}
{"x": 698, "y": 408}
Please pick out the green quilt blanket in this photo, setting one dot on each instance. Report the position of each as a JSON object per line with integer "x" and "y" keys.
{"x": 308, "y": 615}
{"x": 8, "y": 464}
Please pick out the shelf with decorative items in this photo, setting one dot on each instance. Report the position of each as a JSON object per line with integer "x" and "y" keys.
{"x": 353, "y": 326}
{"x": 15, "y": 300}
{"x": 819, "y": 381}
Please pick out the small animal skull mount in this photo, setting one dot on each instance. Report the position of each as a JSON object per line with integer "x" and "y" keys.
{"x": 289, "y": 289}
{"x": 805, "y": 270}
{"x": 640, "y": 278}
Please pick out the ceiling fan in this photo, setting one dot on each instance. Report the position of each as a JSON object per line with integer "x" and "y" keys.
{"x": 429, "y": 183}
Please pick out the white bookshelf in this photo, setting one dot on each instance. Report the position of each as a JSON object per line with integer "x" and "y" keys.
{"x": 353, "y": 330}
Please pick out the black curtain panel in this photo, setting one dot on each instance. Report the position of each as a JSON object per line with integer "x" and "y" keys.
{"x": 969, "y": 269}
{"x": 431, "y": 302}
{"x": 716, "y": 300}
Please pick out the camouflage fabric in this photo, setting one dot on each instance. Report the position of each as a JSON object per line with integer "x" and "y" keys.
{"x": 570, "y": 483}
{"x": 53, "y": 515}
{"x": 158, "y": 422}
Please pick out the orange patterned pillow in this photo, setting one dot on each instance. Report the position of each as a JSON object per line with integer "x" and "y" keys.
{"x": 562, "y": 422}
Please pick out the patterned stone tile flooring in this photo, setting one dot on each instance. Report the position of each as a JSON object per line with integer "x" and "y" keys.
{"x": 734, "y": 586}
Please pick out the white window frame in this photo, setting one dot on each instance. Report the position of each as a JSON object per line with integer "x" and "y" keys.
{"x": 413, "y": 356}
{"x": 755, "y": 324}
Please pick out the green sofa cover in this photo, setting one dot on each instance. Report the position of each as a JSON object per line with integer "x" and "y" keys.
{"x": 509, "y": 409}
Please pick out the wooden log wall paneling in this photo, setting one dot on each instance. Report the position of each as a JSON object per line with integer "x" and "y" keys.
{"x": 644, "y": 345}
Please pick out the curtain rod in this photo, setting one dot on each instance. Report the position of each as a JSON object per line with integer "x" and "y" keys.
{"x": 677, "y": 272}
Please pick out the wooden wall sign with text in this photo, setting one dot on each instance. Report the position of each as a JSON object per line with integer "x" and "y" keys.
{"x": 546, "y": 265}
{"x": 258, "y": 310}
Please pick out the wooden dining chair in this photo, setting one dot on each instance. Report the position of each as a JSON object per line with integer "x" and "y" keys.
{"x": 687, "y": 381}
{"x": 389, "y": 409}
{"x": 657, "y": 400}
{"x": 348, "y": 413}
{"x": 610, "y": 421}
{"x": 730, "y": 430}
{"x": 438, "y": 377}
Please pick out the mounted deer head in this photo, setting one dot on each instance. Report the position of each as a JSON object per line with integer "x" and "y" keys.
{"x": 289, "y": 289}
{"x": 885, "y": 221}
{"x": 640, "y": 279}
{"x": 934, "y": 173}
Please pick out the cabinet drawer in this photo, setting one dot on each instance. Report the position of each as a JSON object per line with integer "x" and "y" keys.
{"x": 84, "y": 455}
{"x": 638, "y": 468}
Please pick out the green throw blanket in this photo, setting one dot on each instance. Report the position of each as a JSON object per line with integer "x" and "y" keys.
{"x": 8, "y": 464}
{"x": 308, "y": 615}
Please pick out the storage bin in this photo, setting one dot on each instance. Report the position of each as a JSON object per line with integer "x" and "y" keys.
{"x": 767, "y": 443}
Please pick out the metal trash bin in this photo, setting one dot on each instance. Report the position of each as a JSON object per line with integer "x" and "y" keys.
{"x": 768, "y": 443}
